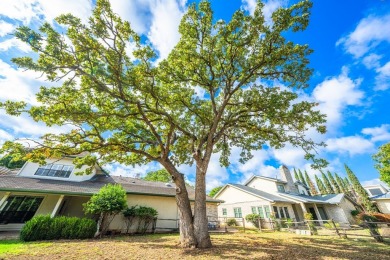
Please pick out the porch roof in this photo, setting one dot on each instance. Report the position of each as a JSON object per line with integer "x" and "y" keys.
{"x": 327, "y": 199}
{"x": 90, "y": 187}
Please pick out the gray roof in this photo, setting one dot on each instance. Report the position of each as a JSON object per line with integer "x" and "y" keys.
{"x": 261, "y": 194}
{"x": 385, "y": 196}
{"x": 330, "y": 198}
{"x": 131, "y": 185}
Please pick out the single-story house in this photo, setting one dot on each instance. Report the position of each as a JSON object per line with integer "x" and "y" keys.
{"x": 284, "y": 198}
{"x": 57, "y": 190}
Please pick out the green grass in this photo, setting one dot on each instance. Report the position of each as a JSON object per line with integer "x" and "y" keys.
{"x": 17, "y": 247}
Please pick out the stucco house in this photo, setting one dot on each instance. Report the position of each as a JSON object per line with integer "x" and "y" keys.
{"x": 282, "y": 197}
{"x": 380, "y": 196}
{"x": 57, "y": 190}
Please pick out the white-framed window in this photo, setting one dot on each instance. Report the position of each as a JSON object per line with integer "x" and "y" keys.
{"x": 55, "y": 170}
{"x": 237, "y": 212}
{"x": 254, "y": 210}
{"x": 281, "y": 212}
{"x": 267, "y": 211}
{"x": 224, "y": 211}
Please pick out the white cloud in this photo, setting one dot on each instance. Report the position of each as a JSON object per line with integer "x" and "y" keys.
{"x": 381, "y": 133}
{"x": 270, "y": 6}
{"x": 137, "y": 12}
{"x": 352, "y": 145}
{"x": 372, "y": 61}
{"x": 118, "y": 169}
{"x": 5, "y": 28}
{"x": 4, "y": 136}
{"x": 383, "y": 77}
{"x": 8, "y": 44}
{"x": 368, "y": 34}
{"x": 27, "y": 11}
{"x": 335, "y": 94}
{"x": 290, "y": 156}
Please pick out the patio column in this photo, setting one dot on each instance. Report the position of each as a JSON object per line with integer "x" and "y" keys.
{"x": 303, "y": 207}
{"x": 57, "y": 206}
{"x": 3, "y": 200}
{"x": 318, "y": 213}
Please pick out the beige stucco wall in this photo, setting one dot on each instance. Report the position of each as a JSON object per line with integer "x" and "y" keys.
{"x": 384, "y": 206}
{"x": 347, "y": 207}
{"x": 73, "y": 206}
{"x": 234, "y": 195}
{"x": 263, "y": 185}
{"x": 30, "y": 168}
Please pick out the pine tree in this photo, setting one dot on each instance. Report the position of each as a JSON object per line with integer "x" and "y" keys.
{"x": 341, "y": 183}
{"x": 361, "y": 192}
{"x": 320, "y": 186}
{"x": 336, "y": 187}
{"x": 301, "y": 177}
{"x": 313, "y": 189}
{"x": 328, "y": 186}
{"x": 296, "y": 175}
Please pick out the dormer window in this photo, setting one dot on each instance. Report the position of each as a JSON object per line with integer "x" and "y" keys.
{"x": 281, "y": 188}
{"x": 55, "y": 170}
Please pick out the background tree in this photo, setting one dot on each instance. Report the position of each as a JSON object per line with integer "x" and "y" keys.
{"x": 107, "y": 203}
{"x": 362, "y": 194}
{"x": 11, "y": 163}
{"x": 341, "y": 183}
{"x": 313, "y": 190}
{"x": 159, "y": 175}
{"x": 301, "y": 178}
{"x": 382, "y": 159}
{"x": 321, "y": 186}
{"x": 152, "y": 112}
{"x": 296, "y": 175}
{"x": 328, "y": 186}
{"x": 332, "y": 180}
{"x": 215, "y": 191}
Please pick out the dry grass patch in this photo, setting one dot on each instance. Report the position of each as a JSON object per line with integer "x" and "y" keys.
{"x": 226, "y": 246}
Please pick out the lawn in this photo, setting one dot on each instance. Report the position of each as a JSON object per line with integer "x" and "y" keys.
{"x": 226, "y": 246}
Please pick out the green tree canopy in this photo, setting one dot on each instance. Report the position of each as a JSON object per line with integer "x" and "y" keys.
{"x": 321, "y": 186}
{"x": 11, "y": 163}
{"x": 382, "y": 159}
{"x": 301, "y": 178}
{"x": 328, "y": 186}
{"x": 335, "y": 185}
{"x": 313, "y": 190}
{"x": 159, "y": 175}
{"x": 215, "y": 191}
{"x": 126, "y": 108}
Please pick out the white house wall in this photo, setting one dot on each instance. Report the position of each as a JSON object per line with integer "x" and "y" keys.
{"x": 263, "y": 185}
{"x": 384, "y": 206}
{"x": 30, "y": 168}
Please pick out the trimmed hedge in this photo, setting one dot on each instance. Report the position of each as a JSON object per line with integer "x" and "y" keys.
{"x": 47, "y": 228}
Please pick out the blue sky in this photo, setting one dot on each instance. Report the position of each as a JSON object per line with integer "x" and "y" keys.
{"x": 351, "y": 79}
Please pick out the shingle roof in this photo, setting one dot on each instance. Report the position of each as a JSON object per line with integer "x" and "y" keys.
{"x": 259, "y": 193}
{"x": 331, "y": 198}
{"x": 131, "y": 185}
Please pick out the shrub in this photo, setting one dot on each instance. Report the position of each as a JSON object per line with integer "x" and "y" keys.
{"x": 382, "y": 217}
{"x": 355, "y": 212}
{"x": 146, "y": 215}
{"x": 231, "y": 222}
{"x": 276, "y": 223}
{"x": 130, "y": 215}
{"x": 47, "y": 228}
{"x": 253, "y": 218}
{"x": 107, "y": 203}
{"x": 312, "y": 227}
{"x": 289, "y": 222}
{"x": 330, "y": 225}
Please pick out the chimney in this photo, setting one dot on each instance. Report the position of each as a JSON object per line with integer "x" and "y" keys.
{"x": 285, "y": 175}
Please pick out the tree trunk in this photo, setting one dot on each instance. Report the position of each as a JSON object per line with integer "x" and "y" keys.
{"x": 200, "y": 215}
{"x": 187, "y": 235}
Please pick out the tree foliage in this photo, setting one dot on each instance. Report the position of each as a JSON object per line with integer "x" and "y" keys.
{"x": 341, "y": 184}
{"x": 215, "y": 191}
{"x": 11, "y": 163}
{"x": 301, "y": 178}
{"x": 328, "y": 186}
{"x": 382, "y": 159}
{"x": 159, "y": 175}
{"x": 313, "y": 189}
{"x": 125, "y": 107}
{"x": 336, "y": 187}
{"x": 321, "y": 186}
{"x": 362, "y": 194}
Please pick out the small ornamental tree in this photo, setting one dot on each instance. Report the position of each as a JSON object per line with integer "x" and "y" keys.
{"x": 335, "y": 186}
{"x": 382, "y": 159}
{"x": 254, "y": 219}
{"x": 296, "y": 175}
{"x": 321, "y": 186}
{"x": 107, "y": 203}
{"x": 215, "y": 191}
{"x": 313, "y": 190}
{"x": 328, "y": 186}
{"x": 301, "y": 178}
{"x": 362, "y": 194}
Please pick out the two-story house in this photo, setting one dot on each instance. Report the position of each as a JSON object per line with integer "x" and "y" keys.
{"x": 282, "y": 197}
{"x": 380, "y": 196}
{"x": 55, "y": 189}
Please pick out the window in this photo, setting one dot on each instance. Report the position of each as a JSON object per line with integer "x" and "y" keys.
{"x": 281, "y": 212}
{"x": 276, "y": 212}
{"x": 267, "y": 211}
{"x": 254, "y": 210}
{"x": 375, "y": 192}
{"x": 237, "y": 213}
{"x": 286, "y": 211}
{"x": 55, "y": 170}
{"x": 261, "y": 212}
{"x": 224, "y": 212}
{"x": 19, "y": 209}
{"x": 281, "y": 188}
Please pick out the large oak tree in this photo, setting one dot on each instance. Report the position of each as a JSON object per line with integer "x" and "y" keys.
{"x": 126, "y": 108}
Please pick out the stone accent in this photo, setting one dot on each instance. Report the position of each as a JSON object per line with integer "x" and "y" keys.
{"x": 285, "y": 175}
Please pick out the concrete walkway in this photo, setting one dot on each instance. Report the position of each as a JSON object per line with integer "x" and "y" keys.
{"x": 5, "y": 235}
